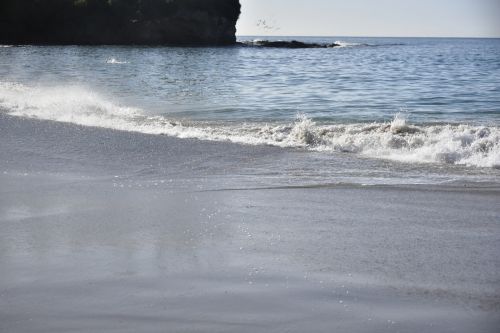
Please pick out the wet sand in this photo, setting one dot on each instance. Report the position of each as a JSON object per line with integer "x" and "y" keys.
{"x": 107, "y": 231}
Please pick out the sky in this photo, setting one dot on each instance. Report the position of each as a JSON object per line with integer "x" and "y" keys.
{"x": 408, "y": 18}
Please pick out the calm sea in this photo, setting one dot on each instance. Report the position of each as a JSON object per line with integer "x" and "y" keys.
{"x": 413, "y": 102}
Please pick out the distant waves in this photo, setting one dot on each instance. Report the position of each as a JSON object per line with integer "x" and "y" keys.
{"x": 295, "y": 44}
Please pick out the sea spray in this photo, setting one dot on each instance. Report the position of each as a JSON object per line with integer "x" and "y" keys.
{"x": 341, "y": 43}
{"x": 114, "y": 61}
{"x": 459, "y": 144}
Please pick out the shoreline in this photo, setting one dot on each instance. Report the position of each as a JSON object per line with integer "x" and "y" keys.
{"x": 118, "y": 230}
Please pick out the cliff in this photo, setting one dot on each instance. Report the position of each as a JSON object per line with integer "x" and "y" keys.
{"x": 142, "y": 22}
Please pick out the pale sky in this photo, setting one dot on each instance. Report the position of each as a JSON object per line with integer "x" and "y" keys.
{"x": 423, "y": 18}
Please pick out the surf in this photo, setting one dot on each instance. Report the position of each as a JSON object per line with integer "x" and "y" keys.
{"x": 395, "y": 140}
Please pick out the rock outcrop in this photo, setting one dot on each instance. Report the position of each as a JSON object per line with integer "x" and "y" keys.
{"x": 288, "y": 44}
{"x": 97, "y": 22}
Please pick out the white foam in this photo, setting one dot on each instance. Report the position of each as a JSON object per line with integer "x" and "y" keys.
{"x": 115, "y": 61}
{"x": 65, "y": 104}
{"x": 397, "y": 140}
{"x": 346, "y": 44}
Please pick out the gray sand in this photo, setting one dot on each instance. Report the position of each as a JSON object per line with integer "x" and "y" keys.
{"x": 104, "y": 231}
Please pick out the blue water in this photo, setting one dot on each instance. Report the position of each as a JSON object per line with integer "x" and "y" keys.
{"x": 410, "y": 100}
{"x": 443, "y": 80}
{"x": 121, "y": 228}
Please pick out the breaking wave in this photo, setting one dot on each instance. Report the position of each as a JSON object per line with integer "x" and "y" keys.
{"x": 298, "y": 44}
{"x": 347, "y": 44}
{"x": 397, "y": 140}
{"x": 115, "y": 61}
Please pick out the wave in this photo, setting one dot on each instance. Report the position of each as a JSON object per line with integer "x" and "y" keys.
{"x": 298, "y": 44}
{"x": 340, "y": 43}
{"x": 116, "y": 62}
{"x": 398, "y": 140}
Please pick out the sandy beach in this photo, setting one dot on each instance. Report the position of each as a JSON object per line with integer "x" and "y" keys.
{"x": 106, "y": 231}
{"x": 286, "y": 166}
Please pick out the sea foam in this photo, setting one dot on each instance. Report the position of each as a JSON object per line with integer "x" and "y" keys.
{"x": 341, "y": 43}
{"x": 114, "y": 61}
{"x": 398, "y": 140}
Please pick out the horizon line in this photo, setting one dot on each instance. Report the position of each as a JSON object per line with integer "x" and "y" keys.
{"x": 367, "y": 36}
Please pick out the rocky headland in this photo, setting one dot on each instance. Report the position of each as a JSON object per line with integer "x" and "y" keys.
{"x": 127, "y": 22}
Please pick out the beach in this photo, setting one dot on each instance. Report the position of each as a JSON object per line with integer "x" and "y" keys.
{"x": 106, "y": 230}
{"x": 351, "y": 188}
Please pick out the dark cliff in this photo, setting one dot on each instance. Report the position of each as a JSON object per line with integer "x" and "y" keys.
{"x": 145, "y": 22}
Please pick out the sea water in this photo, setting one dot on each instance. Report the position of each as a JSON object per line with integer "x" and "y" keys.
{"x": 417, "y": 110}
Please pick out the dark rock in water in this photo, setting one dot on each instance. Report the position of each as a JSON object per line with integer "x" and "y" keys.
{"x": 293, "y": 44}
{"x": 142, "y": 22}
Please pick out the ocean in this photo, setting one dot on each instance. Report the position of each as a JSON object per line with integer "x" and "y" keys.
{"x": 400, "y": 110}
{"x": 248, "y": 189}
